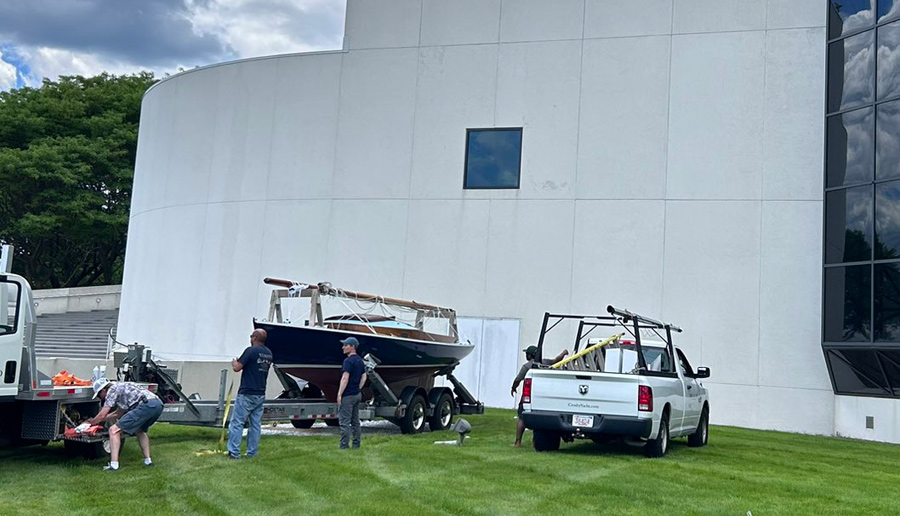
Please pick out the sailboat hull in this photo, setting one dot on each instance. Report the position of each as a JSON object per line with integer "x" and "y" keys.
{"x": 314, "y": 354}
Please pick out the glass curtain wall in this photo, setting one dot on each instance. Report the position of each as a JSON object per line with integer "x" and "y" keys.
{"x": 861, "y": 298}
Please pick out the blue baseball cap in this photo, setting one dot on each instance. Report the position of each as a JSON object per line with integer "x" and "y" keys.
{"x": 350, "y": 341}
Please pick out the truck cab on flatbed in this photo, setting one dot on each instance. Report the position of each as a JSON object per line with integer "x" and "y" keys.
{"x": 32, "y": 409}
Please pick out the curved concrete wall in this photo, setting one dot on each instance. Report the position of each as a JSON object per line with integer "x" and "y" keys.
{"x": 672, "y": 164}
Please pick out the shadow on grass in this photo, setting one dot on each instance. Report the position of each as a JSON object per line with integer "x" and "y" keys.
{"x": 617, "y": 447}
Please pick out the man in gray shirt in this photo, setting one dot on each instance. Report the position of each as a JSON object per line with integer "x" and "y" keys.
{"x": 530, "y": 363}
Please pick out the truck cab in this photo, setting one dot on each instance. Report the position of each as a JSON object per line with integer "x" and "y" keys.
{"x": 32, "y": 409}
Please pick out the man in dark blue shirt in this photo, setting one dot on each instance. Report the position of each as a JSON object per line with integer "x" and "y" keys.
{"x": 254, "y": 366}
{"x": 353, "y": 377}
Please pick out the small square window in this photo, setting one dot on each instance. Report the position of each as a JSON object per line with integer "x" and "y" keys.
{"x": 493, "y": 158}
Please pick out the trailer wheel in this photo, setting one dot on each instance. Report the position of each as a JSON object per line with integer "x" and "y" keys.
{"x": 443, "y": 413}
{"x": 303, "y": 423}
{"x": 333, "y": 422}
{"x": 546, "y": 441}
{"x": 414, "y": 420}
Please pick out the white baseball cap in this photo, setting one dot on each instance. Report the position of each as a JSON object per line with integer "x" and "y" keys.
{"x": 99, "y": 385}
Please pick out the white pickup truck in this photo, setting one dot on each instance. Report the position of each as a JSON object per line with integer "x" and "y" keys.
{"x": 624, "y": 386}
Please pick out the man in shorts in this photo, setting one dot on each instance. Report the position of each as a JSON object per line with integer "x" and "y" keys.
{"x": 136, "y": 409}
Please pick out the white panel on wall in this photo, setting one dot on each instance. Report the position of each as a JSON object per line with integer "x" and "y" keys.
{"x": 614, "y": 18}
{"x": 538, "y": 89}
{"x": 529, "y": 262}
{"x": 716, "y": 116}
{"x": 187, "y": 162}
{"x": 151, "y": 168}
{"x": 796, "y": 410}
{"x": 367, "y": 245}
{"x": 790, "y": 318}
{"x": 382, "y": 23}
{"x": 447, "y": 243}
{"x": 795, "y": 101}
{"x": 460, "y": 22}
{"x": 624, "y": 118}
{"x": 242, "y": 142}
{"x": 296, "y": 234}
{"x": 490, "y": 369}
{"x": 790, "y": 14}
{"x": 618, "y": 257}
{"x": 711, "y": 285}
{"x": 456, "y": 90}
{"x": 223, "y": 314}
{"x": 173, "y": 252}
{"x": 733, "y": 405}
{"x": 378, "y": 91}
{"x": 540, "y": 20}
{"x": 719, "y": 15}
{"x": 307, "y": 90}
{"x": 850, "y": 413}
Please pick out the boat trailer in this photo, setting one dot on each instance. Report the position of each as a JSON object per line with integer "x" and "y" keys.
{"x": 409, "y": 410}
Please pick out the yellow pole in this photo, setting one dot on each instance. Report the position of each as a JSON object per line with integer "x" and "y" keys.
{"x": 220, "y": 447}
{"x": 585, "y": 351}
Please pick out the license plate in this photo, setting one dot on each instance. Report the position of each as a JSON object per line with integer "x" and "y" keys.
{"x": 583, "y": 421}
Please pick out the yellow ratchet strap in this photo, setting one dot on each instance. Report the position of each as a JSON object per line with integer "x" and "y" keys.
{"x": 585, "y": 351}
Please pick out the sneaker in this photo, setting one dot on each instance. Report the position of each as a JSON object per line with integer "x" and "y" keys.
{"x": 151, "y": 465}
{"x": 110, "y": 468}
{"x": 232, "y": 457}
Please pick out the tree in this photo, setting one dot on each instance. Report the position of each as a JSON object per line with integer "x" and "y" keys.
{"x": 67, "y": 152}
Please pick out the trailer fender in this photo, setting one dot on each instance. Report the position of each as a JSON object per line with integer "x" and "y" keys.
{"x": 435, "y": 394}
{"x": 407, "y": 395}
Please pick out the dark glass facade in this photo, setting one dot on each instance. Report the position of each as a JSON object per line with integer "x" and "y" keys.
{"x": 861, "y": 256}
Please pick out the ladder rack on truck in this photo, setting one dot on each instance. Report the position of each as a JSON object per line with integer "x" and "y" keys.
{"x": 293, "y": 404}
{"x": 32, "y": 409}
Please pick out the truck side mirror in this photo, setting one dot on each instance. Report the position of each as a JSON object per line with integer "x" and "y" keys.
{"x": 702, "y": 372}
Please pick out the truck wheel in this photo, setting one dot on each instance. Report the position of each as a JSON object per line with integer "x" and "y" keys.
{"x": 414, "y": 420}
{"x": 659, "y": 446}
{"x": 333, "y": 422}
{"x": 443, "y": 413}
{"x": 546, "y": 441}
{"x": 701, "y": 435}
{"x": 303, "y": 423}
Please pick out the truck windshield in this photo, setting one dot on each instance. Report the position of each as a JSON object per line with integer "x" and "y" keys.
{"x": 9, "y": 307}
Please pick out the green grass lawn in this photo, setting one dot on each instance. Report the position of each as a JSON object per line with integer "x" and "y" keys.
{"x": 739, "y": 471}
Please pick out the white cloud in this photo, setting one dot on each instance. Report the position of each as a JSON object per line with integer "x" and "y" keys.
{"x": 46, "y": 62}
{"x": 7, "y": 75}
{"x": 259, "y": 28}
{"x": 218, "y": 30}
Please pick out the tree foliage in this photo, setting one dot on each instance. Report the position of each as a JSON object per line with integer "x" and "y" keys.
{"x": 67, "y": 152}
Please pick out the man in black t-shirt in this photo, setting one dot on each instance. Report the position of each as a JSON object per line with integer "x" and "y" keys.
{"x": 254, "y": 366}
{"x": 353, "y": 377}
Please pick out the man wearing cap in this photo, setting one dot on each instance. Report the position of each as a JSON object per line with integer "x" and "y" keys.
{"x": 137, "y": 409}
{"x": 254, "y": 366}
{"x": 530, "y": 363}
{"x": 353, "y": 377}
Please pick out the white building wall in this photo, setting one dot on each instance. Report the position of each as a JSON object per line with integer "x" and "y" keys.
{"x": 672, "y": 164}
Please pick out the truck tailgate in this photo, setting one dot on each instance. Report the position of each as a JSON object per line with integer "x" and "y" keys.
{"x": 585, "y": 392}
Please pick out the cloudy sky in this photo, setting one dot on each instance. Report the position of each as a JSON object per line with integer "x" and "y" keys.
{"x": 48, "y": 38}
